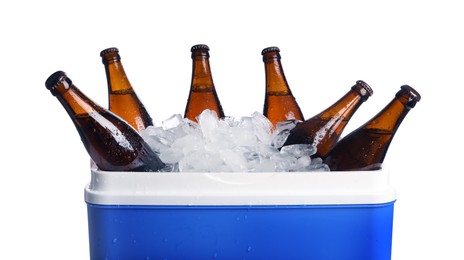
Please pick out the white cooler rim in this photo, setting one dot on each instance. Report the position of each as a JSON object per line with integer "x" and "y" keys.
{"x": 264, "y": 188}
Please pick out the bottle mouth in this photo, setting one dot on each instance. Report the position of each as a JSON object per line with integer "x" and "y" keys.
{"x": 270, "y": 53}
{"x": 200, "y": 50}
{"x": 199, "y": 47}
{"x": 56, "y": 79}
{"x": 270, "y": 49}
{"x": 109, "y": 50}
{"x": 412, "y": 95}
{"x": 110, "y": 55}
{"x": 365, "y": 91}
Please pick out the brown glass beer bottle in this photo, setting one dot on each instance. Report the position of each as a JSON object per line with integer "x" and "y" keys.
{"x": 324, "y": 129}
{"x": 202, "y": 91}
{"x": 122, "y": 99}
{"x": 111, "y": 142}
{"x": 279, "y": 102}
{"x": 365, "y": 148}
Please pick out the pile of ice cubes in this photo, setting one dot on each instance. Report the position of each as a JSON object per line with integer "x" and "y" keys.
{"x": 250, "y": 144}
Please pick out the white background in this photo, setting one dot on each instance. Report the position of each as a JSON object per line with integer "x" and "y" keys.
{"x": 325, "y": 48}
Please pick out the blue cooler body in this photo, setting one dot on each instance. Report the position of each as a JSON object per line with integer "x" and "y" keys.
{"x": 320, "y": 215}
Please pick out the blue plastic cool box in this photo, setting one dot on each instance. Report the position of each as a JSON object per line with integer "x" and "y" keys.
{"x": 312, "y": 215}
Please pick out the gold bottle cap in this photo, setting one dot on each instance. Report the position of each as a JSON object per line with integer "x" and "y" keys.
{"x": 270, "y": 49}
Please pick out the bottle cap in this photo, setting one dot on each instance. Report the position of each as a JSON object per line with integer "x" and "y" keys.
{"x": 109, "y": 50}
{"x": 55, "y": 79}
{"x": 199, "y": 47}
{"x": 411, "y": 94}
{"x": 200, "y": 50}
{"x": 110, "y": 55}
{"x": 270, "y": 49}
{"x": 365, "y": 91}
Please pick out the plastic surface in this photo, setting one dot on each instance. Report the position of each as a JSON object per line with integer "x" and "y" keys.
{"x": 281, "y": 188}
{"x": 344, "y": 215}
{"x": 357, "y": 232}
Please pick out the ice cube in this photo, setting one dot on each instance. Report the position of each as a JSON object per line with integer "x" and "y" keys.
{"x": 208, "y": 121}
{"x": 302, "y": 163}
{"x": 278, "y": 139}
{"x": 234, "y": 161}
{"x": 171, "y": 155}
{"x": 172, "y": 122}
{"x": 200, "y": 161}
{"x": 286, "y": 125}
{"x": 299, "y": 150}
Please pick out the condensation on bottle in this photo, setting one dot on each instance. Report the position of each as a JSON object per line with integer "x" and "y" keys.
{"x": 279, "y": 102}
{"x": 324, "y": 129}
{"x": 366, "y": 147}
{"x": 122, "y": 98}
{"x": 111, "y": 142}
{"x": 202, "y": 93}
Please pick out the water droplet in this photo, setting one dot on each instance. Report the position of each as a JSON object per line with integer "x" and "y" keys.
{"x": 115, "y": 240}
{"x": 249, "y": 249}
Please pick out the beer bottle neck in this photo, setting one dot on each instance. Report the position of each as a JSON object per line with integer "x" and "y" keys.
{"x": 389, "y": 118}
{"x": 345, "y": 107}
{"x": 276, "y": 83}
{"x": 202, "y": 80}
{"x": 116, "y": 76}
{"x": 75, "y": 102}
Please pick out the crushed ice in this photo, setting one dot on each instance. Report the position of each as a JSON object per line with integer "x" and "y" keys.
{"x": 250, "y": 144}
